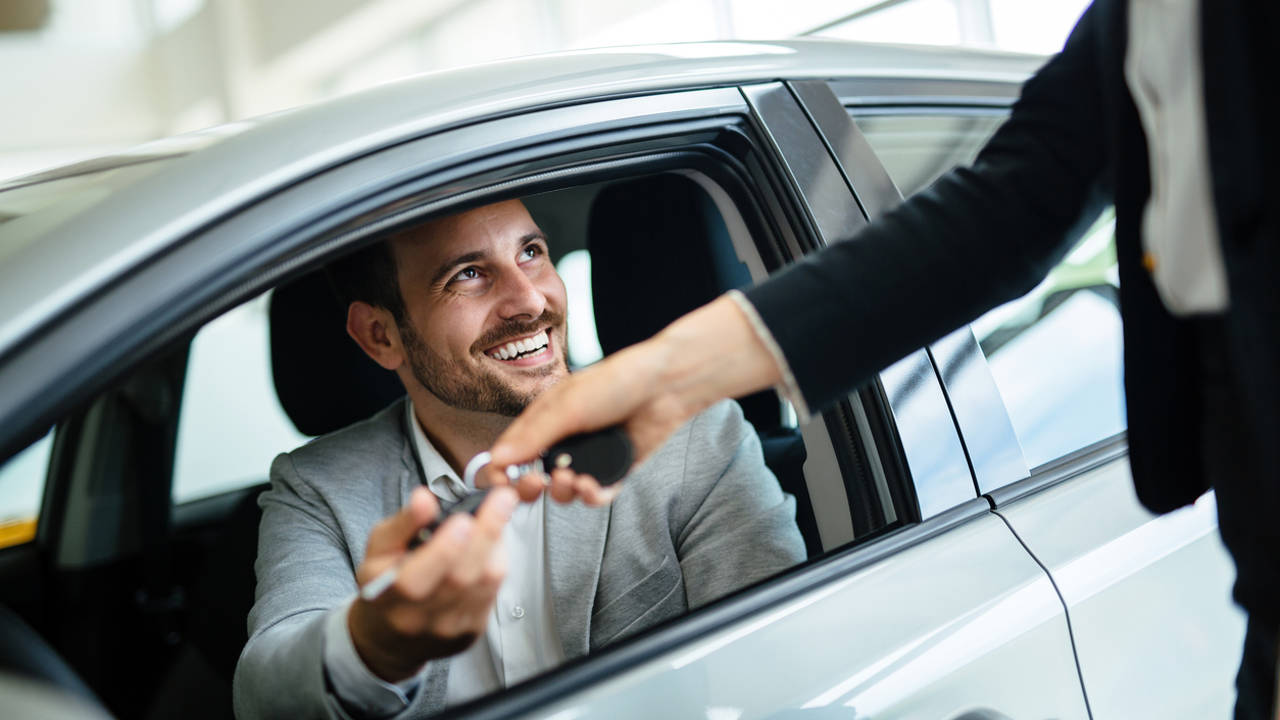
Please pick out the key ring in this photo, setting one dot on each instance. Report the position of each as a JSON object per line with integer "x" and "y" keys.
{"x": 481, "y": 459}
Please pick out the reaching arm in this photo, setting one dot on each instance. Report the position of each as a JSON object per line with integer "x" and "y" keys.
{"x": 981, "y": 235}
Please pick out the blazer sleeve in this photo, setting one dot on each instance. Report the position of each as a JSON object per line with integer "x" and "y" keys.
{"x": 305, "y": 583}
{"x": 733, "y": 524}
{"x": 979, "y": 236}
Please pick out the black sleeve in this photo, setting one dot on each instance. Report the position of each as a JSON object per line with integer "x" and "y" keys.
{"x": 979, "y": 236}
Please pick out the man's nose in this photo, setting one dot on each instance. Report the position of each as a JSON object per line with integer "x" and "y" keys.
{"x": 520, "y": 295}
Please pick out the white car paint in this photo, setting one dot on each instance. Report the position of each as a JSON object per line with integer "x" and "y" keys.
{"x": 963, "y": 621}
{"x": 1149, "y": 596}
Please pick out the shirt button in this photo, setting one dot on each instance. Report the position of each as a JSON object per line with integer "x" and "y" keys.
{"x": 517, "y": 612}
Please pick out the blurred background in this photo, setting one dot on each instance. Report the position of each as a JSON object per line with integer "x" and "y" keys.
{"x": 83, "y": 78}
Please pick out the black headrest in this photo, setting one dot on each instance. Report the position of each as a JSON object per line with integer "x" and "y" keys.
{"x": 660, "y": 248}
{"x": 323, "y": 379}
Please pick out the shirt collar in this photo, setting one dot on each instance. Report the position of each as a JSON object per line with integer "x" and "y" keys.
{"x": 442, "y": 481}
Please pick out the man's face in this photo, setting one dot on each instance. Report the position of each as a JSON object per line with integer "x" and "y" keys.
{"x": 486, "y": 310}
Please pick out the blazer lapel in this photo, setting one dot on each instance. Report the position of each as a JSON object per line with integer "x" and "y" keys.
{"x": 574, "y": 544}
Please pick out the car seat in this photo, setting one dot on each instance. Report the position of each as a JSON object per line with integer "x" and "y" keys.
{"x": 323, "y": 379}
{"x": 660, "y": 248}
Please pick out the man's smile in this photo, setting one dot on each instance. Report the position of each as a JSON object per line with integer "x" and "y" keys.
{"x": 525, "y": 351}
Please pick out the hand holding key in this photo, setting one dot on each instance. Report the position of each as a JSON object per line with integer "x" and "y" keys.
{"x": 440, "y": 599}
{"x": 648, "y": 389}
{"x": 586, "y": 466}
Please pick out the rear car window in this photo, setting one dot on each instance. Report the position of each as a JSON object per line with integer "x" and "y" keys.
{"x": 1056, "y": 352}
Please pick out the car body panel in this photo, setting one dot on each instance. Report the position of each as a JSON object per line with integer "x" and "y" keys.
{"x": 1148, "y": 596}
{"x": 961, "y": 622}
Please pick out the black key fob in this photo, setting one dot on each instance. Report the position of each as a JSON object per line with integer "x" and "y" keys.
{"x": 605, "y": 454}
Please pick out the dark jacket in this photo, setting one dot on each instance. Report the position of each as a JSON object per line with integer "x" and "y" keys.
{"x": 1074, "y": 141}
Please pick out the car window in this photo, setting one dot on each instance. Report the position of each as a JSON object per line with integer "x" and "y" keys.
{"x": 1055, "y": 353}
{"x": 231, "y": 424}
{"x": 21, "y": 485}
{"x": 917, "y": 148}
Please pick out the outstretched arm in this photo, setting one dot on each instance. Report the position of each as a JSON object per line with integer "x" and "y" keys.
{"x": 980, "y": 236}
{"x": 651, "y": 388}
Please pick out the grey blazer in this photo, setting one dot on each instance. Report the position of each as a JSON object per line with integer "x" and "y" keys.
{"x": 700, "y": 518}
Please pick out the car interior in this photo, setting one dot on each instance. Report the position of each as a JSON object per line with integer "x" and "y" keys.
{"x": 168, "y": 586}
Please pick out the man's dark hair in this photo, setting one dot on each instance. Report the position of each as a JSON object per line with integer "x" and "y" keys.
{"x": 369, "y": 275}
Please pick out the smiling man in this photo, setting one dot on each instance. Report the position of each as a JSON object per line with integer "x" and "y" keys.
{"x": 469, "y": 312}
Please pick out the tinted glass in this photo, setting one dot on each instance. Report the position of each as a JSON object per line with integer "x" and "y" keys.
{"x": 1055, "y": 353}
{"x": 916, "y": 149}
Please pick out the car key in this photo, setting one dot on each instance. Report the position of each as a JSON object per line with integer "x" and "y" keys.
{"x": 605, "y": 454}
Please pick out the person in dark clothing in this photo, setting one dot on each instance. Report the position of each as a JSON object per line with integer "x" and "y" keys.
{"x": 1161, "y": 108}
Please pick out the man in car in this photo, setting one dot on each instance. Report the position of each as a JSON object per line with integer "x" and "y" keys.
{"x": 469, "y": 312}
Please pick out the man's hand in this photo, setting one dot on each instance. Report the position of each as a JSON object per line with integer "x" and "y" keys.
{"x": 440, "y": 601}
{"x": 651, "y": 389}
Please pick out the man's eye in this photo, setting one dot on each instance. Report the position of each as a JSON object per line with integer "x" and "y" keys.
{"x": 468, "y": 273}
{"x": 531, "y": 251}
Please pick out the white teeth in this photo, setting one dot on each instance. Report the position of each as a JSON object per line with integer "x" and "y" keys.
{"x": 520, "y": 347}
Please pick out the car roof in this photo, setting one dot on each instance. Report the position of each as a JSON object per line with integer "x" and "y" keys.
{"x": 201, "y": 178}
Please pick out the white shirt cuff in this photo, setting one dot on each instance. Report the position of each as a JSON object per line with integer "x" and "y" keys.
{"x": 361, "y": 692}
{"x": 788, "y": 389}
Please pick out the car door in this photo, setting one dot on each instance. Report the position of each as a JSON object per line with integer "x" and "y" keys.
{"x": 1036, "y": 387}
{"x": 922, "y": 603}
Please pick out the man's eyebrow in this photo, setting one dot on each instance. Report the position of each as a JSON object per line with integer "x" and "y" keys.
{"x": 470, "y": 257}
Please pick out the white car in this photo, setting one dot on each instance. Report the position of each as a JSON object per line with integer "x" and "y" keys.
{"x": 975, "y": 546}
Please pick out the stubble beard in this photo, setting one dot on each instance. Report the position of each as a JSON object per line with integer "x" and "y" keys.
{"x": 483, "y": 391}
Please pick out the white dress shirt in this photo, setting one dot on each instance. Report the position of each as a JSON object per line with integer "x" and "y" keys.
{"x": 1163, "y": 68}
{"x": 520, "y": 640}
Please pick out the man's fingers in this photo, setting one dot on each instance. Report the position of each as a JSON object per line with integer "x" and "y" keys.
{"x": 423, "y": 570}
{"x": 486, "y": 536}
{"x": 392, "y": 534}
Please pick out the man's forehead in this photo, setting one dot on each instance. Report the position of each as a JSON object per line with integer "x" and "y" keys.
{"x": 476, "y": 230}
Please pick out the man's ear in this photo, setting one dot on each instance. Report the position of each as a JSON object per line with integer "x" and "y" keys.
{"x": 374, "y": 330}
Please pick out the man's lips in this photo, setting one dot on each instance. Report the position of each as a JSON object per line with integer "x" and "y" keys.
{"x": 527, "y": 348}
